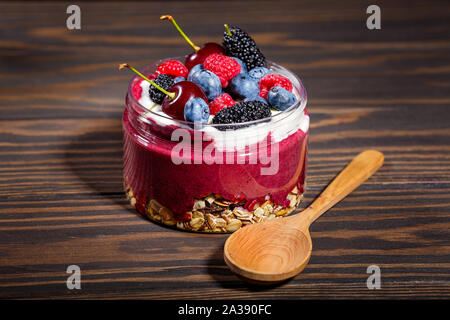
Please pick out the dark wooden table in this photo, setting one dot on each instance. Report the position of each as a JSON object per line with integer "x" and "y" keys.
{"x": 61, "y": 100}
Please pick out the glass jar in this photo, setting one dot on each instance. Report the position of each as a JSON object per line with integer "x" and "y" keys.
{"x": 214, "y": 177}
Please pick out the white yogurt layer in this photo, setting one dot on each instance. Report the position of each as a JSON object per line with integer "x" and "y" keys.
{"x": 228, "y": 140}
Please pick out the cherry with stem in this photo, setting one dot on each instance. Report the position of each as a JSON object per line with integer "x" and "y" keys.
{"x": 171, "y": 95}
{"x": 199, "y": 55}
{"x": 176, "y": 97}
{"x": 227, "y": 29}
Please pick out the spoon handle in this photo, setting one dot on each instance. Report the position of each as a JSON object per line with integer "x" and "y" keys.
{"x": 354, "y": 174}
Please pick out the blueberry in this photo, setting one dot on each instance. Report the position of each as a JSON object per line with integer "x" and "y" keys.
{"x": 257, "y": 98}
{"x": 242, "y": 64}
{"x": 178, "y": 79}
{"x": 280, "y": 99}
{"x": 196, "y": 110}
{"x": 207, "y": 81}
{"x": 244, "y": 87}
{"x": 258, "y": 72}
{"x": 196, "y": 69}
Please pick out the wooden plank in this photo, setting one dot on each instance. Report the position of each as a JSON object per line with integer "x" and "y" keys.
{"x": 61, "y": 100}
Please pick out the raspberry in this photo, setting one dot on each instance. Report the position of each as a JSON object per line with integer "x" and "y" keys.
{"x": 173, "y": 68}
{"x": 137, "y": 89}
{"x": 222, "y": 66}
{"x": 273, "y": 80}
{"x": 221, "y": 102}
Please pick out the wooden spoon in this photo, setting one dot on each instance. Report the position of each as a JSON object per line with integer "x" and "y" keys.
{"x": 279, "y": 249}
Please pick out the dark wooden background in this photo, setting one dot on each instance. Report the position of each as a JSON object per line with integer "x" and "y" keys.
{"x": 61, "y": 100}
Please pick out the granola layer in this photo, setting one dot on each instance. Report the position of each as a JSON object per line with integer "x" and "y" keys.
{"x": 213, "y": 213}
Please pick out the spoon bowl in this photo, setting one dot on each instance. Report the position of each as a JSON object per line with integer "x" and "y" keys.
{"x": 276, "y": 252}
{"x": 279, "y": 249}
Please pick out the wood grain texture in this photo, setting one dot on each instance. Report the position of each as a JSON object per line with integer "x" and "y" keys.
{"x": 61, "y": 99}
{"x": 280, "y": 249}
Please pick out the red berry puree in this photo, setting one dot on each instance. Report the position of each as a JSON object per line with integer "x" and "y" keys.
{"x": 217, "y": 197}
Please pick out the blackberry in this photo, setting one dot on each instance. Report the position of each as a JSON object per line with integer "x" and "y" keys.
{"x": 165, "y": 82}
{"x": 242, "y": 112}
{"x": 242, "y": 46}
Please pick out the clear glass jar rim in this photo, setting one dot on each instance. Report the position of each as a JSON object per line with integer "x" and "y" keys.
{"x": 277, "y": 117}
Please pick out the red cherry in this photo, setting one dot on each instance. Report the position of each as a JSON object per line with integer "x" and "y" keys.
{"x": 176, "y": 97}
{"x": 199, "y": 56}
{"x": 183, "y": 90}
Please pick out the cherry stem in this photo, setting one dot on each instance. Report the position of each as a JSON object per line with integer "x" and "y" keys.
{"x": 171, "y": 95}
{"x": 228, "y": 30}
{"x": 168, "y": 17}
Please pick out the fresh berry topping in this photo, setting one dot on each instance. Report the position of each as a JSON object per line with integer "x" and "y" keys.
{"x": 192, "y": 72}
{"x": 196, "y": 110}
{"x": 182, "y": 91}
{"x": 199, "y": 56}
{"x": 244, "y": 87}
{"x": 222, "y": 66}
{"x": 173, "y": 68}
{"x": 280, "y": 99}
{"x": 221, "y": 102}
{"x": 177, "y": 96}
{"x": 206, "y": 80}
{"x": 257, "y": 98}
{"x": 165, "y": 82}
{"x": 258, "y": 72}
{"x": 242, "y": 64}
{"x": 178, "y": 79}
{"x": 243, "y": 112}
{"x": 137, "y": 89}
{"x": 239, "y": 44}
{"x": 273, "y": 80}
